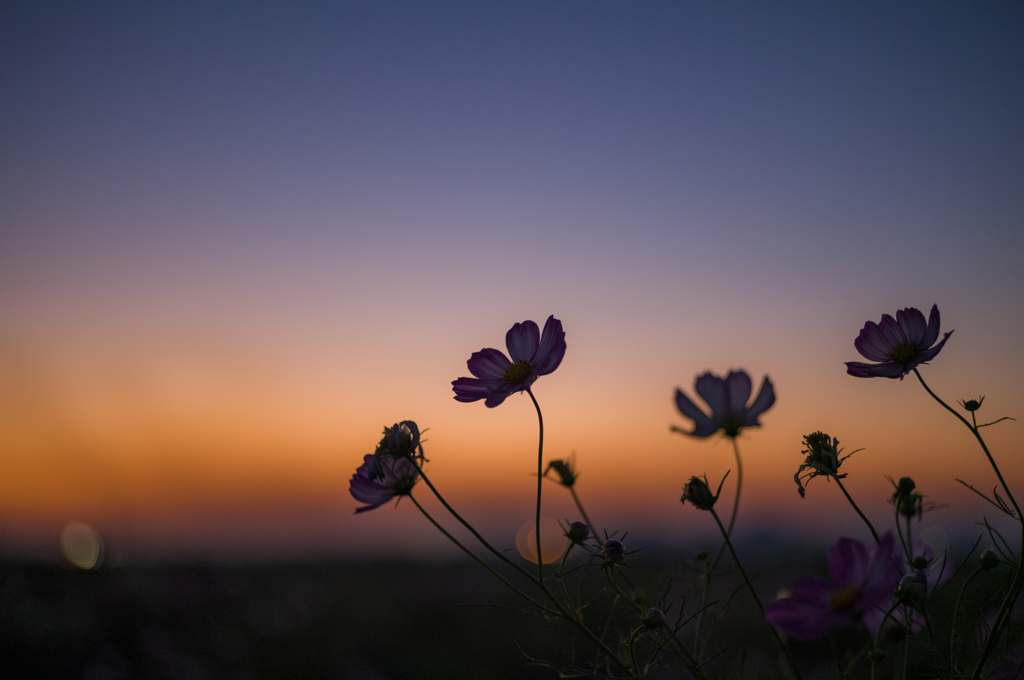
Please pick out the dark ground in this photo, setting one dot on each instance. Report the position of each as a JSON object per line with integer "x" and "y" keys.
{"x": 382, "y": 621}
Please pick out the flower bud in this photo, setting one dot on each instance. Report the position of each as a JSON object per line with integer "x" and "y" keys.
{"x": 913, "y": 587}
{"x": 699, "y": 493}
{"x": 972, "y": 405}
{"x": 654, "y": 618}
{"x": 577, "y": 533}
{"x": 613, "y": 552}
{"x": 988, "y": 560}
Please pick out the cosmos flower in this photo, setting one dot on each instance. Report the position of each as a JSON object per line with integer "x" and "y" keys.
{"x": 401, "y": 440}
{"x": 532, "y": 353}
{"x": 727, "y": 399}
{"x": 863, "y": 580}
{"x": 900, "y": 344}
{"x": 397, "y": 478}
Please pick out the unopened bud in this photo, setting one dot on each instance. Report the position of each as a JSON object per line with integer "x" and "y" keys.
{"x": 654, "y": 618}
{"x": 613, "y": 552}
{"x": 988, "y": 560}
{"x": 577, "y": 533}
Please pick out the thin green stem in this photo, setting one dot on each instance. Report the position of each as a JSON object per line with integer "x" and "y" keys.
{"x": 473, "y": 555}
{"x": 750, "y": 586}
{"x": 855, "y": 507}
{"x": 540, "y": 479}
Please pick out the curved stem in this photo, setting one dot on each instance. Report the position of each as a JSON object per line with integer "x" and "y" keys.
{"x": 855, "y": 507}
{"x": 750, "y": 586}
{"x": 540, "y": 479}
{"x": 497, "y": 553}
{"x": 473, "y": 555}
{"x": 1003, "y": 617}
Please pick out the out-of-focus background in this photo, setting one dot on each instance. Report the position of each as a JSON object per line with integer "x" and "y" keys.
{"x": 238, "y": 239}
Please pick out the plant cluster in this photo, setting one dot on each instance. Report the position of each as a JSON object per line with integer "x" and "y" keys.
{"x": 882, "y": 607}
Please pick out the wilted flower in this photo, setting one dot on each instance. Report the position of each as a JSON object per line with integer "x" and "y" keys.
{"x": 698, "y": 492}
{"x": 899, "y": 344}
{"x": 863, "y": 579}
{"x": 533, "y": 355}
{"x": 564, "y": 469}
{"x": 727, "y": 399}
{"x": 613, "y": 552}
{"x": 822, "y": 459}
{"x": 396, "y": 477}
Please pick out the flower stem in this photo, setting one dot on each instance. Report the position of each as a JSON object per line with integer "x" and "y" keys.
{"x": 855, "y": 507}
{"x": 579, "y": 506}
{"x": 1003, "y": 617}
{"x": 739, "y": 487}
{"x": 473, "y": 555}
{"x": 500, "y": 555}
{"x": 540, "y": 479}
{"x": 750, "y": 586}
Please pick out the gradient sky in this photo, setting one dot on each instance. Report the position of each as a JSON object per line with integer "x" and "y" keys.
{"x": 236, "y": 239}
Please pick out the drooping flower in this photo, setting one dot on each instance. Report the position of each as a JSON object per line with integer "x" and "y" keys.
{"x": 727, "y": 398}
{"x": 532, "y": 353}
{"x": 900, "y": 344}
{"x": 863, "y": 579}
{"x": 565, "y": 472}
{"x": 822, "y": 459}
{"x": 397, "y": 476}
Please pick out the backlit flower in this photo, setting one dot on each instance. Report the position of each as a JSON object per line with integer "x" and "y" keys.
{"x": 401, "y": 440}
{"x": 397, "y": 476}
{"x": 900, "y": 344}
{"x": 863, "y": 579}
{"x": 727, "y": 398}
{"x": 822, "y": 459}
{"x": 532, "y": 353}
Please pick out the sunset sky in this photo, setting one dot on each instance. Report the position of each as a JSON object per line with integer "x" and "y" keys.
{"x": 237, "y": 239}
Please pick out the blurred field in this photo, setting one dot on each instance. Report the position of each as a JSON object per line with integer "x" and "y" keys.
{"x": 372, "y": 621}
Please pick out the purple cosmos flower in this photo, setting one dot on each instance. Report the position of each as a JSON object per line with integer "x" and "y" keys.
{"x": 391, "y": 470}
{"x": 397, "y": 477}
{"x": 727, "y": 399}
{"x": 533, "y": 354}
{"x": 401, "y": 440}
{"x": 863, "y": 580}
{"x": 900, "y": 344}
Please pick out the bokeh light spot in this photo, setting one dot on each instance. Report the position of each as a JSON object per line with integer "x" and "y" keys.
{"x": 81, "y": 545}
{"x": 552, "y": 540}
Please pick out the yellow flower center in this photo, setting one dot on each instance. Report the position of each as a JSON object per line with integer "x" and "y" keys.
{"x": 517, "y": 373}
{"x": 904, "y": 353}
{"x": 844, "y": 599}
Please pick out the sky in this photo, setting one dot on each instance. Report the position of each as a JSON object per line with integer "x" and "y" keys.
{"x": 238, "y": 239}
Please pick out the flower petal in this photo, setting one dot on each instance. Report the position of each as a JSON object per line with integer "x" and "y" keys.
{"x": 714, "y": 392}
{"x": 552, "y": 348}
{"x": 872, "y": 343}
{"x": 911, "y": 320}
{"x": 488, "y": 364}
{"x": 887, "y": 370}
{"x": 738, "y": 386}
{"x": 932, "y": 334}
{"x": 471, "y": 389}
{"x": 522, "y": 341}
{"x": 703, "y": 425}
{"x": 764, "y": 401}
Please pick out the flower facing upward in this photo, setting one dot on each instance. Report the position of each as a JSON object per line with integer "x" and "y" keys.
{"x": 863, "y": 579}
{"x": 396, "y": 477}
{"x": 532, "y": 353}
{"x": 727, "y": 399}
{"x": 900, "y": 344}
